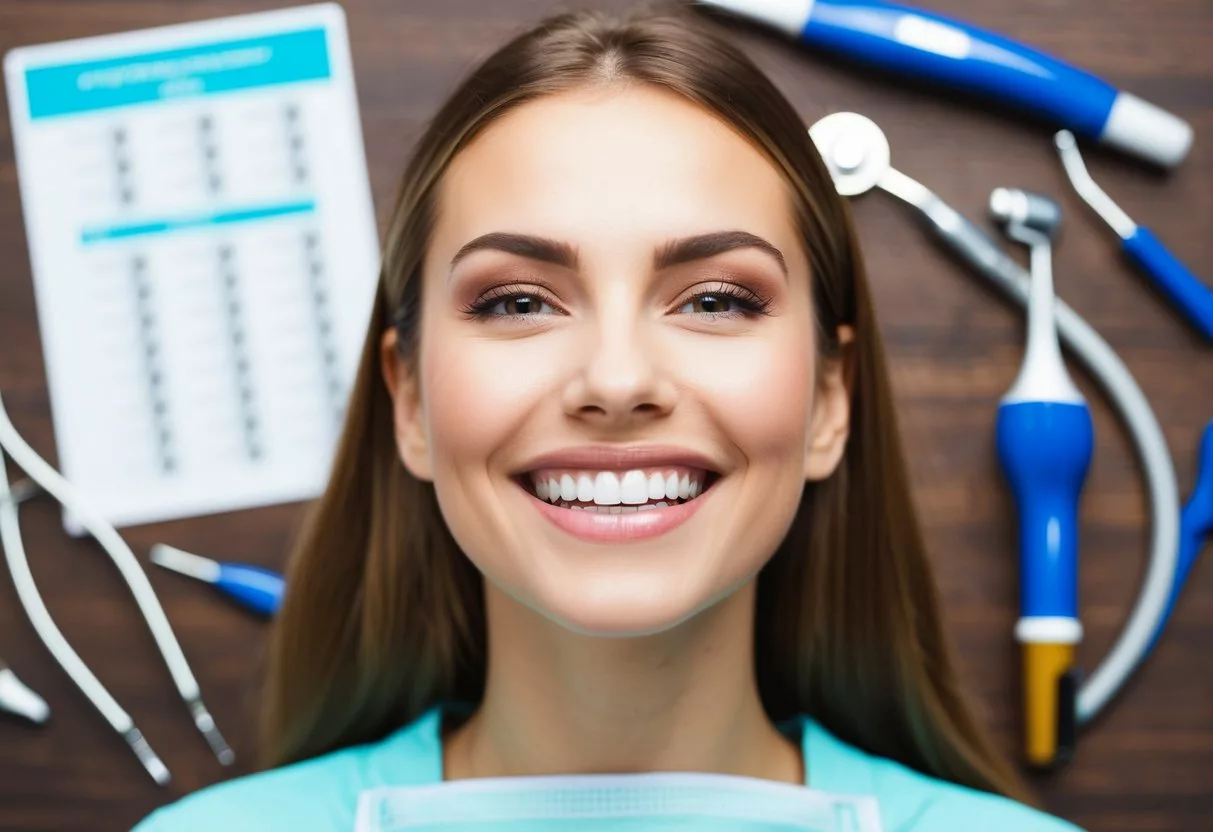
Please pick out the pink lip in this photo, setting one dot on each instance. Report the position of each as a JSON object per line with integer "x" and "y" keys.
{"x": 619, "y": 528}
{"x": 617, "y": 458}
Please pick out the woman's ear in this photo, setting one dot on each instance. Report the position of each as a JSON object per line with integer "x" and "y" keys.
{"x": 830, "y": 424}
{"x": 408, "y": 416}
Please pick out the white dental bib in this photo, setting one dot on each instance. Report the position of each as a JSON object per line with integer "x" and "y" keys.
{"x": 657, "y": 802}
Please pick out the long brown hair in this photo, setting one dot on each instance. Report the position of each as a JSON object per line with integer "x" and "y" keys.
{"x": 385, "y": 618}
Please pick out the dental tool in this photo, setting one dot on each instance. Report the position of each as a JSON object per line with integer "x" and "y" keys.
{"x": 1185, "y": 291}
{"x": 914, "y": 43}
{"x": 44, "y": 626}
{"x": 857, "y": 154}
{"x": 1045, "y": 440}
{"x": 254, "y": 588}
{"x": 1195, "y": 523}
{"x": 16, "y": 698}
{"x": 54, "y": 484}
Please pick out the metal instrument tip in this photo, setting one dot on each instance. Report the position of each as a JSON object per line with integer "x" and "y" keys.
{"x": 155, "y": 767}
{"x": 16, "y": 698}
{"x": 1087, "y": 189}
{"x": 206, "y": 724}
{"x": 178, "y": 560}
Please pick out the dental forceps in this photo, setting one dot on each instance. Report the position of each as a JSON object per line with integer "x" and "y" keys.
{"x": 51, "y": 482}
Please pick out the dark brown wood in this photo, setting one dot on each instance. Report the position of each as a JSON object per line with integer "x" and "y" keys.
{"x": 954, "y": 348}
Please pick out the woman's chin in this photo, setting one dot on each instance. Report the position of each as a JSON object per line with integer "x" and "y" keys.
{"x": 619, "y": 626}
{"x": 610, "y": 614}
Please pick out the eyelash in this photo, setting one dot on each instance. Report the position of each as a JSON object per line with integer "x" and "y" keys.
{"x": 752, "y": 303}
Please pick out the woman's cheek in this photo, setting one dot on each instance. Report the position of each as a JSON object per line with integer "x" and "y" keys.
{"x": 479, "y": 388}
{"x": 760, "y": 388}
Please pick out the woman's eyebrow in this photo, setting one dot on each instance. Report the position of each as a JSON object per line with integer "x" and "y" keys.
{"x": 522, "y": 245}
{"x": 703, "y": 246}
{"x": 672, "y": 253}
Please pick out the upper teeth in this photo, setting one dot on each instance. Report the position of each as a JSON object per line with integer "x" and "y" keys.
{"x": 610, "y": 488}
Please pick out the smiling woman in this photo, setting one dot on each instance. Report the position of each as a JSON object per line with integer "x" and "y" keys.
{"x": 620, "y": 488}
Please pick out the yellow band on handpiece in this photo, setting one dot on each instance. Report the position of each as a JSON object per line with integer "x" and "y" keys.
{"x": 1043, "y": 666}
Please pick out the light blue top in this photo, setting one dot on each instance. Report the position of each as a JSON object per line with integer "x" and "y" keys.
{"x": 322, "y": 793}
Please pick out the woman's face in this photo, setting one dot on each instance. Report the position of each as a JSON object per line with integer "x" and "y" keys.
{"x": 616, "y": 396}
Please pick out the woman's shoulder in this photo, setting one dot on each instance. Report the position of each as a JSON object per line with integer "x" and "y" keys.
{"x": 320, "y": 793}
{"x": 911, "y": 801}
{"x": 926, "y": 803}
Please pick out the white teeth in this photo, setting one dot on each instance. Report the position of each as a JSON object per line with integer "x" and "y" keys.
{"x": 646, "y": 507}
{"x": 634, "y": 488}
{"x": 656, "y": 487}
{"x": 585, "y": 488}
{"x": 610, "y": 488}
{"x": 606, "y": 489}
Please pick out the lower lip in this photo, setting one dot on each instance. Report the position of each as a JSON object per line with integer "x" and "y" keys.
{"x": 594, "y": 527}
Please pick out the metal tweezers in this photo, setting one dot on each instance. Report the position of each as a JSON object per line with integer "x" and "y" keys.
{"x": 43, "y": 479}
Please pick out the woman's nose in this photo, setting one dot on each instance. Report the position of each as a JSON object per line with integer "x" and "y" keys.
{"x": 620, "y": 378}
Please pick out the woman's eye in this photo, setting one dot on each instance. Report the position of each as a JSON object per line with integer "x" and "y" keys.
{"x": 514, "y": 306}
{"x": 728, "y": 302}
{"x": 710, "y": 305}
{"x": 522, "y": 305}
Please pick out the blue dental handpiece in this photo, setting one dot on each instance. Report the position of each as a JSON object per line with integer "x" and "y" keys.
{"x": 1045, "y": 440}
{"x": 920, "y": 44}
{"x": 253, "y": 587}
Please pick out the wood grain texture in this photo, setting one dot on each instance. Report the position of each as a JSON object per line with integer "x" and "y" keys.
{"x": 954, "y": 348}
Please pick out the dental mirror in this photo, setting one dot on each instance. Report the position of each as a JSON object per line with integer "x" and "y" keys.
{"x": 855, "y": 151}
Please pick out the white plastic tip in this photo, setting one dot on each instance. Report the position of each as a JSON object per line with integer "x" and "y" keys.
{"x": 195, "y": 566}
{"x": 790, "y": 16}
{"x": 17, "y": 699}
{"x": 1138, "y": 127}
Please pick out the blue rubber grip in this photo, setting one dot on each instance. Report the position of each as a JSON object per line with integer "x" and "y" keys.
{"x": 1045, "y": 449}
{"x": 1193, "y": 298}
{"x": 1195, "y": 524}
{"x": 936, "y": 48}
{"x": 260, "y": 590}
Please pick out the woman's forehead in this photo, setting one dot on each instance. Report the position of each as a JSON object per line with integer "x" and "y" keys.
{"x": 620, "y": 162}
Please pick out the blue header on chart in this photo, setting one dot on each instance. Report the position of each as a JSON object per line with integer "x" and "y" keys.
{"x": 227, "y": 66}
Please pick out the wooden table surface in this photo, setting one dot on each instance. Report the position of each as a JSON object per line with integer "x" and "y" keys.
{"x": 954, "y": 348}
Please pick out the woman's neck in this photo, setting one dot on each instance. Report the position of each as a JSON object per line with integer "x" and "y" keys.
{"x": 561, "y": 703}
